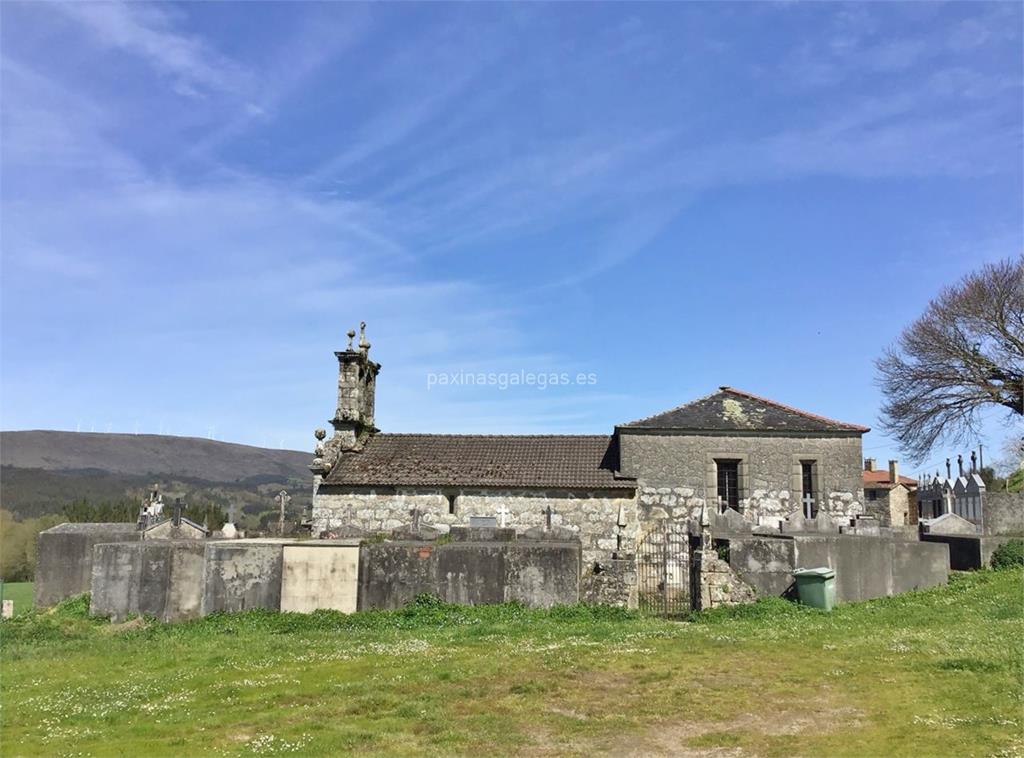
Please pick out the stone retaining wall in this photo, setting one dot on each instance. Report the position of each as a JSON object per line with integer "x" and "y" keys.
{"x": 592, "y": 517}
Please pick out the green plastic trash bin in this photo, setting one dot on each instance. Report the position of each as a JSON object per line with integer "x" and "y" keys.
{"x": 816, "y": 587}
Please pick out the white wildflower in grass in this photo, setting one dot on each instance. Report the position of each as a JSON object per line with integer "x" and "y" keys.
{"x": 268, "y": 744}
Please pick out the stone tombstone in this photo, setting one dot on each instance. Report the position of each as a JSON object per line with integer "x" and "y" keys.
{"x": 8, "y": 609}
{"x": 483, "y": 522}
{"x": 729, "y": 521}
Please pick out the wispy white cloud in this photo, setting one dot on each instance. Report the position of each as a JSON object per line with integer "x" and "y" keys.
{"x": 318, "y": 39}
{"x": 149, "y": 32}
{"x": 361, "y": 169}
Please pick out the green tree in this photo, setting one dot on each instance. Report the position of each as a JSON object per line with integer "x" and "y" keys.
{"x": 82, "y": 511}
{"x": 18, "y": 545}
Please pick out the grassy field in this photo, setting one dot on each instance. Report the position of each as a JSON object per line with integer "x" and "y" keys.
{"x": 21, "y": 594}
{"x": 935, "y": 673}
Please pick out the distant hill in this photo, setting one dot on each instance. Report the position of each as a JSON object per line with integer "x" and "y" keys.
{"x": 44, "y": 470}
{"x": 144, "y": 454}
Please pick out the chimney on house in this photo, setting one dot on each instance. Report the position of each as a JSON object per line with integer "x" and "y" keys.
{"x": 869, "y": 464}
{"x": 894, "y": 474}
{"x": 357, "y": 384}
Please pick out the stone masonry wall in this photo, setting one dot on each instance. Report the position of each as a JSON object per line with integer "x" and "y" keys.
{"x": 594, "y": 517}
{"x": 675, "y": 471}
{"x": 1004, "y": 513}
{"x": 718, "y": 583}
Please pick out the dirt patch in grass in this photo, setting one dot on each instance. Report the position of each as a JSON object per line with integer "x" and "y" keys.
{"x": 130, "y": 625}
{"x": 728, "y": 737}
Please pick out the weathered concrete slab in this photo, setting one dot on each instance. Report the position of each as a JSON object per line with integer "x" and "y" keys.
{"x": 156, "y": 578}
{"x": 242, "y": 574}
{"x": 948, "y": 523}
{"x": 765, "y": 563}
{"x": 537, "y": 574}
{"x": 866, "y": 567}
{"x": 65, "y": 553}
{"x": 821, "y": 524}
{"x": 319, "y": 576}
{"x": 919, "y": 565}
{"x": 482, "y": 534}
{"x": 1004, "y": 514}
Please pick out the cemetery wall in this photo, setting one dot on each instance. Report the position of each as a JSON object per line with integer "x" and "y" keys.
{"x": 610, "y": 582}
{"x": 64, "y": 563}
{"x": 536, "y": 574}
{"x": 161, "y": 579}
{"x": 593, "y": 517}
{"x": 674, "y": 471}
{"x": 968, "y": 552}
{"x": 866, "y": 567}
{"x": 319, "y": 576}
{"x": 1004, "y": 513}
{"x": 241, "y": 575}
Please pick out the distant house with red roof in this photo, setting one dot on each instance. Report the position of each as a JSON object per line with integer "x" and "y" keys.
{"x": 889, "y": 496}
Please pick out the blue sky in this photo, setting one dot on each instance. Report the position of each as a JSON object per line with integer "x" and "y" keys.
{"x": 200, "y": 199}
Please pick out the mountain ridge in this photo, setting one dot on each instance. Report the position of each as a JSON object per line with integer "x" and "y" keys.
{"x": 145, "y": 454}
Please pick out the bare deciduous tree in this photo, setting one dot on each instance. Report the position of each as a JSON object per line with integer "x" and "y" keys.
{"x": 966, "y": 353}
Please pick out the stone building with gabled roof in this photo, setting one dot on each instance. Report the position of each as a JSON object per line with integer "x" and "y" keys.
{"x": 732, "y": 450}
{"x": 888, "y": 495}
{"x": 760, "y": 458}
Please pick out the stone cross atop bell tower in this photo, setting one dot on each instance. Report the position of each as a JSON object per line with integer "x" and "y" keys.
{"x": 353, "y": 417}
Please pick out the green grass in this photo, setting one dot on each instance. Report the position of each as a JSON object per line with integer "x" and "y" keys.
{"x": 21, "y": 594}
{"x": 935, "y": 673}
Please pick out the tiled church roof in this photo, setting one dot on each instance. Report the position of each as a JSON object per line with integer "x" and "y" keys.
{"x": 574, "y": 462}
{"x": 731, "y": 409}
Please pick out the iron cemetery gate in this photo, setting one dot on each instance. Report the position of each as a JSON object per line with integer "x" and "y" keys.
{"x": 664, "y": 572}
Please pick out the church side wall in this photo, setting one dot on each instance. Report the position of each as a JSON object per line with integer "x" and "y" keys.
{"x": 593, "y": 516}
{"x": 674, "y": 471}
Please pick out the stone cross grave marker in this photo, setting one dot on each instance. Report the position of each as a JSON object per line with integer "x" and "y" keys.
{"x": 282, "y": 499}
{"x": 808, "y": 502}
{"x": 503, "y": 514}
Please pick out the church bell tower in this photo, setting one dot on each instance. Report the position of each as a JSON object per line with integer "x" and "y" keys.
{"x": 353, "y": 417}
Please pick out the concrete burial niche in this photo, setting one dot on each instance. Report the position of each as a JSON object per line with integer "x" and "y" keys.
{"x": 65, "y": 553}
{"x": 537, "y": 574}
{"x": 242, "y": 574}
{"x": 163, "y": 579}
{"x": 319, "y": 575}
{"x": 866, "y": 567}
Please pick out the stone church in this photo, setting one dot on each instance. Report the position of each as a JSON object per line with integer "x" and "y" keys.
{"x": 731, "y": 449}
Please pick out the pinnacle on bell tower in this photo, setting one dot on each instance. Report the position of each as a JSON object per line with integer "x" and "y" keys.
{"x": 353, "y": 416}
{"x": 357, "y": 384}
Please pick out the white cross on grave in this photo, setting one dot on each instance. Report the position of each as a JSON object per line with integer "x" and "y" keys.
{"x": 502, "y": 513}
{"x": 808, "y": 502}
